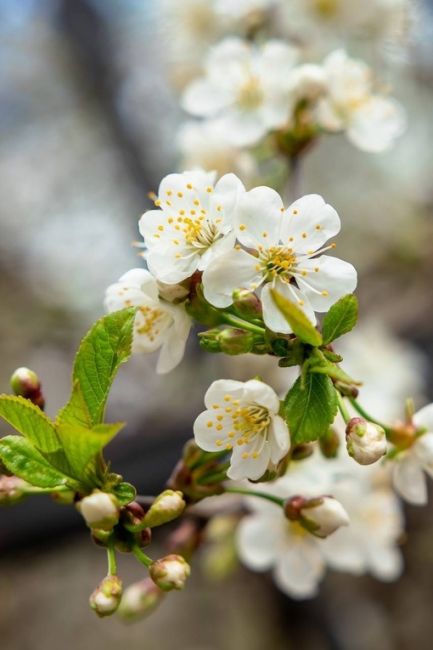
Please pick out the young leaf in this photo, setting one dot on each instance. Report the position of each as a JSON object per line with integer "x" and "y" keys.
{"x": 297, "y": 320}
{"x": 103, "y": 349}
{"x": 23, "y": 460}
{"x": 340, "y": 319}
{"x": 30, "y": 421}
{"x": 310, "y": 410}
{"x": 82, "y": 445}
{"x": 125, "y": 493}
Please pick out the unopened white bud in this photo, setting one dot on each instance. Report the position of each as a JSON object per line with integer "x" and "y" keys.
{"x": 140, "y": 599}
{"x": 308, "y": 81}
{"x": 323, "y": 516}
{"x": 106, "y": 597}
{"x": 167, "y": 506}
{"x": 170, "y": 572}
{"x": 100, "y": 510}
{"x": 366, "y": 442}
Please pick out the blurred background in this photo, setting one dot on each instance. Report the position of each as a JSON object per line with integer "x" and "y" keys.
{"x": 88, "y": 121}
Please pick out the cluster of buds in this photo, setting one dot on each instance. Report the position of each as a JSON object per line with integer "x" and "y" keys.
{"x": 199, "y": 474}
{"x": 320, "y": 516}
{"x": 106, "y": 598}
{"x": 366, "y": 442}
{"x": 26, "y": 383}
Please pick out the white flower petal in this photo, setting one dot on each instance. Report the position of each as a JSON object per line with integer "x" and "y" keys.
{"x": 325, "y": 279}
{"x": 257, "y": 540}
{"x": 221, "y": 247}
{"x": 279, "y": 439}
{"x": 252, "y": 467}
{"x": 423, "y": 449}
{"x": 204, "y": 98}
{"x": 272, "y": 315}
{"x": 173, "y": 348}
{"x": 222, "y": 388}
{"x": 343, "y": 551}
{"x": 259, "y": 217}
{"x": 242, "y": 128}
{"x": 308, "y": 223}
{"x": 165, "y": 264}
{"x": 424, "y": 417}
{"x": 233, "y": 270}
{"x": 385, "y": 562}
{"x": 376, "y": 124}
{"x": 207, "y": 437}
{"x": 258, "y": 392}
{"x": 409, "y": 480}
{"x": 300, "y": 568}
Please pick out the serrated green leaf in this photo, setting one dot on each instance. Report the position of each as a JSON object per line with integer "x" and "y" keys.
{"x": 103, "y": 349}
{"x": 340, "y": 319}
{"x": 125, "y": 493}
{"x": 297, "y": 320}
{"x": 30, "y": 421}
{"x": 22, "y": 459}
{"x": 82, "y": 445}
{"x": 310, "y": 410}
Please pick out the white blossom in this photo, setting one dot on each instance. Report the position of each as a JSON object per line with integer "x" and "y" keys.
{"x": 283, "y": 254}
{"x": 202, "y": 144}
{"x": 410, "y": 465}
{"x": 246, "y": 87}
{"x": 371, "y": 121}
{"x": 158, "y": 323}
{"x": 192, "y": 225}
{"x": 242, "y": 417}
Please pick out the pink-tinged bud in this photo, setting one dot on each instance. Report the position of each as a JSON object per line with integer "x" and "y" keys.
{"x": 323, "y": 516}
{"x": 170, "y": 572}
{"x": 26, "y": 383}
{"x": 365, "y": 441}
{"x": 247, "y": 304}
{"x": 106, "y": 598}
{"x": 11, "y": 490}
{"x": 140, "y": 599}
{"x": 100, "y": 510}
{"x": 167, "y": 506}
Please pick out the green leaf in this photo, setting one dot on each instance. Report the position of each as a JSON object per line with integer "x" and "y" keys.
{"x": 26, "y": 462}
{"x": 30, "y": 421}
{"x": 340, "y": 319}
{"x": 297, "y": 320}
{"x": 103, "y": 349}
{"x": 336, "y": 373}
{"x": 310, "y": 410}
{"x": 82, "y": 445}
{"x": 125, "y": 493}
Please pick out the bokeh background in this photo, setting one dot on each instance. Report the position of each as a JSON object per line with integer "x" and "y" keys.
{"x": 87, "y": 127}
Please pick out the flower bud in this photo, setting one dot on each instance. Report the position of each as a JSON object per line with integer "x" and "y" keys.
{"x": 329, "y": 444}
{"x": 100, "y": 510}
{"x": 11, "y": 490}
{"x": 106, "y": 597}
{"x": 140, "y": 599}
{"x": 209, "y": 340}
{"x": 167, "y": 506}
{"x": 366, "y": 442}
{"x": 302, "y": 451}
{"x": 235, "y": 341}
{"x": 247, "y": 304}
{"x": 170, "y": 572}
{"x": 321, "y": 516}
{"x": 26, "y": 383}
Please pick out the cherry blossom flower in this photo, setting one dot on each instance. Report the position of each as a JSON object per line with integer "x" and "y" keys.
{"x": 410, "y": 465}
{"x": 371, "y": 121}
{"x": 283, "y": 249}
{"x": 246, "y": 87}
{"x": 192, "y": 225}
{"x": 242, "y": 417}
{"x": 158, "y": 324}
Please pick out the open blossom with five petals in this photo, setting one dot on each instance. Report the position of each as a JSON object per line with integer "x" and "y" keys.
{"x": 371, "y": 121}
{"x": 410, "y": 465}
{"x": 193, "y": 223}
{"x": 242, "y": 417}
{"x": 283, "y": 248}
{"x": 158, "y": 324}
{"x": 245, "y": 87}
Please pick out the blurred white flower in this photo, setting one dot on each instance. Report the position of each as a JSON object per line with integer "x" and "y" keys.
{"x": 242, "y": 9}
{"x": 193, "y": 225}
{"x": 202, "y": 144}
{"x": 245, "y": 87}
{"x": 371, "y": 121}
{"x": 158, "y": 324}
{"x": 410, "y": 465}
{"x": 243, "y": 418}
{"x": 285, "y": 245}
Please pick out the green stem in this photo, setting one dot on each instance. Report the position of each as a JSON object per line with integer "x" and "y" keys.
{"x": 141, "y": 556}
{"x": 342, "y": 408}
{"x": 231, "y": 319}
{"x": 111, "y": 557}
{"x": 253, "y": 493}
{"x": 367, "y": 416}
